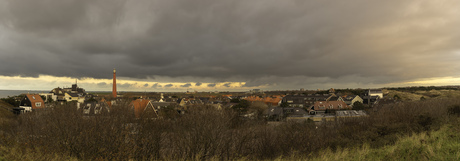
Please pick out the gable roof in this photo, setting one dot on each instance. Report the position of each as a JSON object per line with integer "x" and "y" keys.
{"x": 141, "y": 105}
{"x": 336, "y": 105}
{"x": 35, "y": 98}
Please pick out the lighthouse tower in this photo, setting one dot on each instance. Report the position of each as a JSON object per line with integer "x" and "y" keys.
{"x": 114, "y": 88}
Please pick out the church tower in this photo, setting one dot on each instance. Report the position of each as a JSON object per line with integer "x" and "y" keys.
{"x": 114, "y": 89}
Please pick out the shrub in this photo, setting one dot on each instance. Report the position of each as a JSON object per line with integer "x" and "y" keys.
{"x": 207, "y": 133}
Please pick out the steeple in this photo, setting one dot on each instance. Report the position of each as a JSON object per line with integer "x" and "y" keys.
{"x": 114, "y": 88}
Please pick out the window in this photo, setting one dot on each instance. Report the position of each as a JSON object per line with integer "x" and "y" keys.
{"x": 340, "y": 105}
{"x": 38, "y": 104}
{"x": 331, "y": 106}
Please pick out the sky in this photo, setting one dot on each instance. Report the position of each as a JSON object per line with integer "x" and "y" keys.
{"x": 231, "y": 45}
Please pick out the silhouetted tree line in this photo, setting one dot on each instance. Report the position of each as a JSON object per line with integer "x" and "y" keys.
{"x": 207, "y": 133}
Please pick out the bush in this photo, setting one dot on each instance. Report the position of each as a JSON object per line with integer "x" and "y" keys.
{"x": 454, "y": 110}
{"x": 205, "y": 133}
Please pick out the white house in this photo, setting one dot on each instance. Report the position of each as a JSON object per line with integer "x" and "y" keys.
{"x": 375, "y": 92}
{"x": 74, "y": 97}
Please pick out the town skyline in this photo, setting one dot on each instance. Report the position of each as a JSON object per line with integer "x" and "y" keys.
{"x": 210, "y": 45}
{"x": 126, "y": 85}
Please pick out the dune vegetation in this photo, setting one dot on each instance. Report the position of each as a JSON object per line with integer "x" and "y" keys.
{"x": 413, "y": 130}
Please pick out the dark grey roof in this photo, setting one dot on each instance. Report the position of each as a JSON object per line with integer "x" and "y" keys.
{"x": 74, "y": 94}
{"x": 162, "y": 104}
{"x": 350, "y": 97}
{"x": 288, "y": 111}
{"x": 334, "y": 98}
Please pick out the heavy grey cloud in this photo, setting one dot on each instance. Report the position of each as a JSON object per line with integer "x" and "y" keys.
{"x": 156, "y": 85}
{"x": 102, "y": 84}
{"x": 186, "y": 85}
{"x": 226, "y": 84}
{"x": 261, "y": 42}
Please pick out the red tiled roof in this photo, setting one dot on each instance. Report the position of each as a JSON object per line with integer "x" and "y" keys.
{"x": 34, "y": 99}
{"x": 139, "y": 106}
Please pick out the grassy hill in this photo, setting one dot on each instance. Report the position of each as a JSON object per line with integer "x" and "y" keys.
{"x": 4, "y": 111}
{"x": 443, "y": 144}
{"x": 417, "y": 95}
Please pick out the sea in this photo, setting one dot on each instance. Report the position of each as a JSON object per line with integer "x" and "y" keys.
{"x": 6, "y": 93}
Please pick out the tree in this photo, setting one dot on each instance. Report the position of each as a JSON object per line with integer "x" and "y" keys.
{"x": 358, "y": 106}
{"x": 11, "y": 100}
{"x": 49, "y": 100}
{"x": 43, "y": 97}
{"x": 235, "y": 100}
{"x": 284, "y": 104}
{"x": 258, "y": 108}
{"x": 242, "y": 107}
{"x": 169, "y": 112}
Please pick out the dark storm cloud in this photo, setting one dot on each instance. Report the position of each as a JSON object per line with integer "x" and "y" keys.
{"x": 198, "y": 84}
{"x": 126, "y": 85}
{"x": 212, "y": 85}
{"x": 261, "y": 42}
{"x": 168, "y": 85}
{"x": 186, "y": 85}
{"x": 227, "y": 85}
{"x": 156, "y": 85}
{"x": 146, "y": 85}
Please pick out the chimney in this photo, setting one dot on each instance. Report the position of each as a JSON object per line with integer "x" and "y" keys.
{"x": 114, "y": 89}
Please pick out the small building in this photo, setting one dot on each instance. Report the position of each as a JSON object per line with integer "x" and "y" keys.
{"x": 31, "y": 102}
{"x": 375, "y": 92}
{"x": 351, "y": 99}
{"x": 74, "y": 97}
{"x": 371, "y": 100}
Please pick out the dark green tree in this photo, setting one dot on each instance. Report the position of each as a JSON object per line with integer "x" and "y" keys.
{"x": 284, "y": 104}
{"x": 242, "y": 107}
{"x": 358, "y": 106}
{"x": 11, "y": 100}
{"x": 235, "y": 100}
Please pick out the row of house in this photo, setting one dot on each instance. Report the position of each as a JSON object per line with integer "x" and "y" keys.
{"x": 300, "y": 114}
{"x": 306, "y": 101}
{"x": 70, "y": 94}
{"x": 314, "y": 106}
